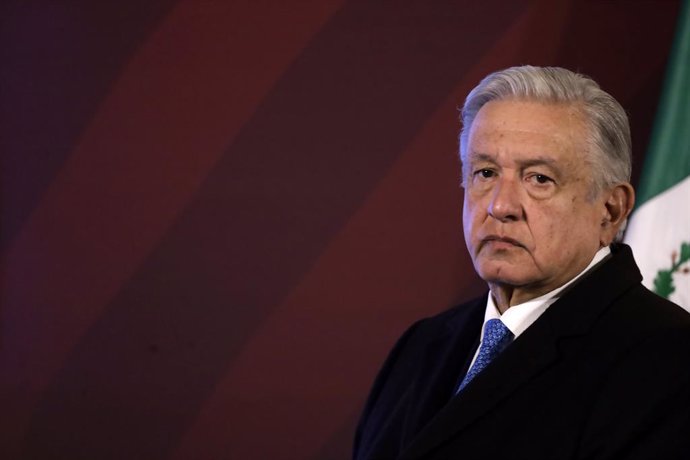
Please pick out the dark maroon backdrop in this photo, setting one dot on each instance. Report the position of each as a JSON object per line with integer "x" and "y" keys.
{"x": 217, "y": 216}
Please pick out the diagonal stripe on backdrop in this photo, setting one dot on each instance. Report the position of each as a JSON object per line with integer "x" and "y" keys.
{"x": 318, "y": 144}
{"x": 178, "y": 104}
{"x": 401, "y": 252}
{"x": 58, "y": 62}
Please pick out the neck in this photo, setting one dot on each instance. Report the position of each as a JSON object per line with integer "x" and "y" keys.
{"x": 506, "y": 296}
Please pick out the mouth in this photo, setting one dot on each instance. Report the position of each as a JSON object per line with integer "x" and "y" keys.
{"x": 499, "y": 242}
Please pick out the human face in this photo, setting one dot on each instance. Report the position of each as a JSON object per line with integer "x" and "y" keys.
{"x": 529, "y": 220}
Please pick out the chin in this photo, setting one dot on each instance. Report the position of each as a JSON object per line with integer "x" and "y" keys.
{"x": 502, "y": 273}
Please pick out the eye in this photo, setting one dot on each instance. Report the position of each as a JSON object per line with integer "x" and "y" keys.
{"x": 484, "y": 173}
{"x": 539, "y": 179}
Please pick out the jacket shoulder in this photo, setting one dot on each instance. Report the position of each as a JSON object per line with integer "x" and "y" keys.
{"x": 429, "y": 337}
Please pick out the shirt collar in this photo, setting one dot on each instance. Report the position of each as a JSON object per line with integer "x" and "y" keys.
{"x": 519, "y": 317}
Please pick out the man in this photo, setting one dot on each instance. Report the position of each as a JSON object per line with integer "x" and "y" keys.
{"x": 568, "y": 356}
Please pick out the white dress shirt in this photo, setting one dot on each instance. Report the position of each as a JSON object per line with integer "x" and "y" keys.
{"x": 519, "y": 317}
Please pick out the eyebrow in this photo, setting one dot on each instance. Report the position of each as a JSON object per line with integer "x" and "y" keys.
{"x": 536, "y": 161}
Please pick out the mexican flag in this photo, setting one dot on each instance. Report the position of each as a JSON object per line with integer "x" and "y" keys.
{"x": 659, "y": 228}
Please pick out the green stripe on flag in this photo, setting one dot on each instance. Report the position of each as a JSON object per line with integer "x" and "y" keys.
{"x": 668, "y": 157}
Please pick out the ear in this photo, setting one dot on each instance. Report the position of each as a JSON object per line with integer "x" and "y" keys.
{"x": 619, "y": 202}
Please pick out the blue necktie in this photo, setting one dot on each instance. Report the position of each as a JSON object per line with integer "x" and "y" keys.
{"x": 496, "y": 337}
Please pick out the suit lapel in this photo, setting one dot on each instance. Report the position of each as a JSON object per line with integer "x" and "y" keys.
{"x": 509, "y": 371}
{"x": 532, "y": 353}
{"x": 447, "y": 357}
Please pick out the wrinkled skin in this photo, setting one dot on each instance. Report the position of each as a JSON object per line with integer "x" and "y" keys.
{"x": 531, "y": 219}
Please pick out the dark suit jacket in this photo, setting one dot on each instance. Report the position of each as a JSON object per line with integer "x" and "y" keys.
{"x": 604, "y": 373}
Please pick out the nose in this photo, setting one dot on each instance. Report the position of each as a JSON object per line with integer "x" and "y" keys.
{"x": 505, "y": 204}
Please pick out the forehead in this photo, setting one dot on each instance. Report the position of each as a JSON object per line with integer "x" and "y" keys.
{"x": 525, "y": 129}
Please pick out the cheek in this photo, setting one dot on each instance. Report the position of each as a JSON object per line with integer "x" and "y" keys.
{"x": 467, "y": 225}
{"x": 469, "y": 222}
{"x": 470, "y": 215}
{"x": 550, "y": 231}
{"x": 560, "y": 234}
{"x": 466, "y": 212}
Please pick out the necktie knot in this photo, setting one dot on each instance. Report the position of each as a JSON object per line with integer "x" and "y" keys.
{"x": 496, "y": 337}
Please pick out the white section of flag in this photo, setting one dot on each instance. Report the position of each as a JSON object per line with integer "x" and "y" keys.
{"x": 656, "y": 230}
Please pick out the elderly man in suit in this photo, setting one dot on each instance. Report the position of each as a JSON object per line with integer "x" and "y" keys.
{"x": 567, "y": 356}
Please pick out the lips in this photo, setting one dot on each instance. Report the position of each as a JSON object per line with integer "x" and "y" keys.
{"x": 501, "y": 239}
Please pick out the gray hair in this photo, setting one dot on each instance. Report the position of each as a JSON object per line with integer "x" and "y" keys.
{"x": 609, "y": 131}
